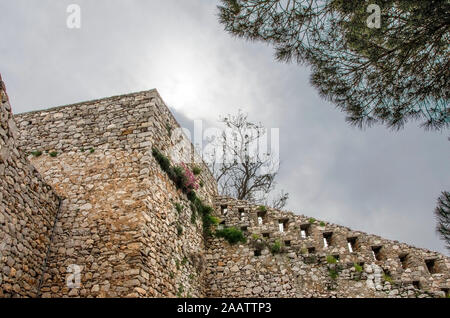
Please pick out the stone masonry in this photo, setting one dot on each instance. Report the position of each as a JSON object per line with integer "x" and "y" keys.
{"x": 27, "y": 213}
{"x": 86, "y": 211}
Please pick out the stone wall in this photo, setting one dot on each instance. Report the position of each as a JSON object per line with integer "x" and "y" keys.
{"x": 118, "y": 226}
{"x": 114, "y": 225}
{"x": 28, "y": 208}
{"x": 304, "y": 266}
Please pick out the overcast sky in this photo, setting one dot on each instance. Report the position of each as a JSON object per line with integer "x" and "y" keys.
{"x": 376, "y": 180}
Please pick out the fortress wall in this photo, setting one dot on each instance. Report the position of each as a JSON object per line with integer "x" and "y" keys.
{"x": 28, "y": 207}
{"x": 302, "y": 269}
{"x": 118, "y": 223}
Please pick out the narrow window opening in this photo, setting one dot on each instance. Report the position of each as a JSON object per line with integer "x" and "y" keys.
{"x": 241, "y": 213}
{"x": 336, "y": 257}
{"x": 431, "y": 266}
{"x": 261, "y": 217}
{"x": 283, "y": 225}
{"x": 311, "y": 250}
{"x": 257, "y": 252}
{"x": 266, "y": 235}
{"x": 404, "y": 260}
{"x": 221, "y": 225}
{"x": 224, "y": 209}
{"x": 351, "y": 243}
{"x": 287, "y": 243}
{"x": 361, "y": 264}
{"x": 376, "y": 252}
{"x": 416, "y": 284}
{"x": 327, "y": 239}
{"x": 244, "y": 228}
{"x": 305, "y": 230}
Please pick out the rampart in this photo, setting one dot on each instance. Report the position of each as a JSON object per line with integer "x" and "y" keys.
{"x": 87, "y": 211}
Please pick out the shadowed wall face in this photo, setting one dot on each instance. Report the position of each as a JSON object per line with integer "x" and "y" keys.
{"x": 28, "y": 207}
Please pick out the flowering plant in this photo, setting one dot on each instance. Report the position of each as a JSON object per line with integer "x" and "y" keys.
{"x": 191, "y": 180}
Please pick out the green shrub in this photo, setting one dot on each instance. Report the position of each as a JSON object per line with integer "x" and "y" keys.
{"x": 333, "y": 273}
{"x": 169, "y": 129}
{"x": 163, "y": 161}
{"x": 179, "y": 230}
{"x": 191, "y": 276}
{"x": 255, "y": 237}
{"x": 178, "y": 207}
{"x": 193, "y": 217}
{"x": 37, "y": 153}
{"x": 53, "y": 154}
{"x": 311, "y": 220}
{"x": 276, "y": 247}
{"x": 358, "y": 267}
{"x": 92, "y": 150}
{"x": 262, "y": 208}
{"x": 232, "y": 234}
{"x": 184, "y": 261}
{"x": 201, "y": 184}
{"x": 180, "y": 291}
{"x": 196, "y": 170}
{"x": 82, "y": 149}
{"x": 177, "y": 263}
{"x": 322, "y": 223}
{"x": 331, "y": 259}
{"x": 387, "y": 278}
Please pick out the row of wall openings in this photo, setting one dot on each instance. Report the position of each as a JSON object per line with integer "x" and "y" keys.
{"x": 311, "y": 250}
{"x": 327, "y": 239}
{"x": 305, "y": 231}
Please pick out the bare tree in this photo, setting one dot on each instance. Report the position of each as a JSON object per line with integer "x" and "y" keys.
{"x": 240, "y": 162}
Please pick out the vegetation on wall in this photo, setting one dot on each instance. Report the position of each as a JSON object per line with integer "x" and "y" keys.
{"x": 232, "y": 234}
{"x": 36, "y": 153}
{"x": 185, "y": 181}
{"x": 331, "y": 259}
{"x": 358, "y": 267}
{"x": 276, "y": 247}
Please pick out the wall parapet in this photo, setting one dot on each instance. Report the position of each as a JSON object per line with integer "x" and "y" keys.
{"x": 331, "y": 260}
